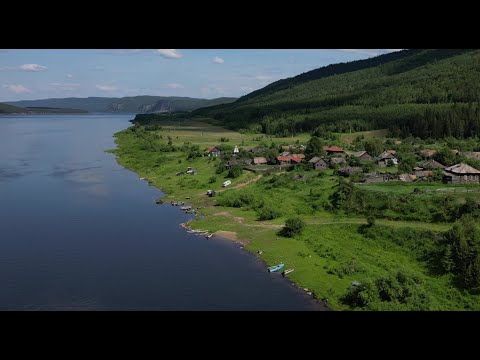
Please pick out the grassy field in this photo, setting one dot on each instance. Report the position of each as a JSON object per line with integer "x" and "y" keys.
{"x": 206, "y": 135}
{"x": 398, "y": 187}
{"x": 348, "y": 138}
{"x": 334, "y": 250}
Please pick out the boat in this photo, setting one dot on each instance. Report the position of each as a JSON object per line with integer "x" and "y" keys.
{"x": 288, "y": 271}
{"x": 276, "y": 267}
{"x": 209, "y": 235}
{"x": 226, "y": 183}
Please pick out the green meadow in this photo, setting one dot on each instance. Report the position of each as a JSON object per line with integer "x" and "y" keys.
{"x": 396, "y": 258}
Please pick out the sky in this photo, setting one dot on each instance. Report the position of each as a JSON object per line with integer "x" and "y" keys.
{"x": 201, "y": 73}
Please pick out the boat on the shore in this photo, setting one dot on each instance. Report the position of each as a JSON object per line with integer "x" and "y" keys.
{"x": 287, "y": 271}
{"x": 209, "y": 235}
{"x": 276, "y": 267}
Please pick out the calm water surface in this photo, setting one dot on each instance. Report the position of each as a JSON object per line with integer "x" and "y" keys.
{"x": 80, "y": 232}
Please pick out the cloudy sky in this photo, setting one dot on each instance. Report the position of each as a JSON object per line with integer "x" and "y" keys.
{"x": 40, "y": 74}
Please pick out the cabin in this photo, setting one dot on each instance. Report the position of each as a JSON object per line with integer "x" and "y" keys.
{"x": 214, "y": 151}
{"x": 428, "y": 153}
{"x": 298, "y": 158}
{"x": 318, "y": 163}
{"x": 432, "y": 164}
{"x": 385, "y": 158}
{"x": 363, "y": 155}
{"x": 461, "y": 174}
{"x": 472, "y": 155}
{"x": 259, "y": 161}
{"x": 284, "y": 160}
{"x": 285, "y": 153}
{"x": 290, "y": 159}
{"x": 333, "y": 150}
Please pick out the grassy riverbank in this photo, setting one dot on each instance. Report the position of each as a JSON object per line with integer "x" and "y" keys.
{"x": 336, "y": 249}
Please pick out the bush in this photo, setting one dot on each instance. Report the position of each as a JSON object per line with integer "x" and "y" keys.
{"x": 220, "y": 168}
{"x": 293, "y": 226}
{"x": 268, "y": 212}
{"x": 234, "y": 172}
{"x": 361, "y": 296}
{"x": 371, "y": 220}
{"x": 212, "y": 179}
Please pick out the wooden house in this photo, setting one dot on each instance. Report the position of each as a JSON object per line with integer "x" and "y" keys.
{"x": 259, "y": 161}
{"x": 460, "y": 174}
{"x": 333, "y": 150}
{"x": 363, "y": 155}
{"x": 214, "y": 151}
{"x": 385, "y": 158}
{"x": 318, "y": 163}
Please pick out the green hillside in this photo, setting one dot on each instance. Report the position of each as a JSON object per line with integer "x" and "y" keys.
{"x": 135, "y": 104}
{"x": 10, "y": 109}
{"x": 427, "y": 93}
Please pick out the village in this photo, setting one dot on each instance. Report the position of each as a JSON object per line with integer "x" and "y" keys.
{"x": 360, "y": 166}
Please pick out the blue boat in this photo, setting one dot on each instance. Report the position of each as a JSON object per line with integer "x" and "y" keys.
{"x": 276, "y": 267}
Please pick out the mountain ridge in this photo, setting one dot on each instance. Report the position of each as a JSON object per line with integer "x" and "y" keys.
{"x": 130, "y": 104}
{"x": 423, "y": 92}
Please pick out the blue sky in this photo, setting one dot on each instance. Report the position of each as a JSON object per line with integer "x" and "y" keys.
{"x": 204, "y": 73}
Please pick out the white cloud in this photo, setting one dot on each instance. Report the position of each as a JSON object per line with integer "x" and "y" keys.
{"x": 174, "y": 86}
{"x": 32, "y": 67}
{"x": 24, "y": 67}
{"x": 169, "y": 53}
{"x": 16, "y": 88}
{"x": 218, "y": 60}
{"x": 106, "y": 87}
{"x": 69, "y": 76}
{"x": 65, "y": 86}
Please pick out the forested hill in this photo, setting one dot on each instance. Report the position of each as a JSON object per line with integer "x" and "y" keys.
{"x": 10, "y": 109}
{"x": 134, "y": 104}
{"x": 427, "y": 93}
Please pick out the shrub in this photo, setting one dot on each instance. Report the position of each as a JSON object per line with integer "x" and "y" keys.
{"x": 234, "y": 172}
{"x": 293, "y": 226}
{"x": 220, "y": 168}
{"x": 370, "y": 220}
{"x": 268, "y": 212}
{"x": 212, "y": 179}
{"x": 360, "y": 296}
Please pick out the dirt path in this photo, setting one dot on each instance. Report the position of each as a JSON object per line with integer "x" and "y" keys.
{"x": 255, "y": 179}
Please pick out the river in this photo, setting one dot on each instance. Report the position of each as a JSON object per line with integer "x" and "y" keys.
{"x": 80, "y": 232}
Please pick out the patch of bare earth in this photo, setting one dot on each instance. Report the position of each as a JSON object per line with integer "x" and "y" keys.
{"x": 231, "y": 235}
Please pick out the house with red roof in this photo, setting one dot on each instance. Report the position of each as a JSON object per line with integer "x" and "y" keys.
{"x": 333, "y": 150}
